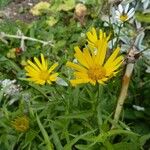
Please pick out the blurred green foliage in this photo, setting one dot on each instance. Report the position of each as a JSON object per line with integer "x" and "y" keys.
{"x": 66, "y": 117}
{"x": 4, "y": 3}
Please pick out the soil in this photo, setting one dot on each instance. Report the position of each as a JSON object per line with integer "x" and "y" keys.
{"x": 19, "y": 10}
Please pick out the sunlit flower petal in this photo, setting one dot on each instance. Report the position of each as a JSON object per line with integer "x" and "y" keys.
{"x": 92, "y": 67}
{"x": 126, "y": 8}
{"x": 39, "y": 73}
{"x": 120, "y": 8}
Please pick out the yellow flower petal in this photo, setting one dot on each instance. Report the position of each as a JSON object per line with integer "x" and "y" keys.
{"x": 92, "y": 67}
{"x": 88, "y": 57}
{"x": 78, "y": 81}
{"x": 53, "y": 67}
{"x": 38, "y": 63}
{"x": 76, "y": 67}
{"x": 92, "y": 36}
{"x": 112, "y": 57}
{"x": 33, "y": 65}
{"x": 39, "y": 72}
{"x": 79, "y": 56}
{"x": 81, "y": 75}
{"x": 30, "y": 69}
{"x": 53, "y": 77}
{"x": 44, "y": 62}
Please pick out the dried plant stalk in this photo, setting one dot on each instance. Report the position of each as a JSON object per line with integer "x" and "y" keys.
{"x": 124, "y": 90}
{"x": 22, "y": 37}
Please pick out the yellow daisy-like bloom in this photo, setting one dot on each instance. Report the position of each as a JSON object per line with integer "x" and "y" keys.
{"x": 21, "y": 124}
{"x": 92, "y": 67}
{"x": 39, "y": 73}
{"x": 94, "y": 41}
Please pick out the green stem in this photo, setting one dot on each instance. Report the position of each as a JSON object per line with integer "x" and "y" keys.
{"x": 98, "y": 105}
{"x": 118, "y": 35}
{"x": 38, "y": 88}
{"x": 59, "y": 93}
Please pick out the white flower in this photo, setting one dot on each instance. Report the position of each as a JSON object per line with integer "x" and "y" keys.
{"x": 9, "y": 87}
{"x": 123, "y": 13}
{"x": 138, "y": 108}
{"x": 145, "y": 3}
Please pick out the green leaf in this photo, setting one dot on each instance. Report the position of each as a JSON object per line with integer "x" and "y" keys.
{"x": 125, "y": 146}
{"x": 64, "y": 5}
{"x": 144, "y": 138}
{"x": 4, "y": 3}
{"x": 80, "y": 115}
{"x": 51, "y": 21}
{"x": 10, "y": 63}
{"x": 56, "y": 138}
{"x": 45, "y": 135}
{"x": 83, "y": 147}
{"x": 103, "y": 136}
{"x": 91, "y": 2}
{"x": 67, "y": 5}
{"x": 1, "y": 95}
{"x": 71, "y": 143}
{"x": 40, "y": 89}
{"x": 30, "y": 135}
{"x": 142, "y": 17}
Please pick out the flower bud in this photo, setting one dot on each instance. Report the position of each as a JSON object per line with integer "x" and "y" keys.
{"x": 80, "y": 10}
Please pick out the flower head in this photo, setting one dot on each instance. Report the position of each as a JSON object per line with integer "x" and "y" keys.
{"x": 94, "y": 41}
{"x": 10, "y": 87}
{"x": 39, "y": 73}
{"x": 92, "y": 67}
{"x": 80, "y": 10}
{"x": 123, "y": 13}
{"x": 21, "y": 124}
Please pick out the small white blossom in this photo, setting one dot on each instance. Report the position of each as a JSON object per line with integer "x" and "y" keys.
{"x": 123, "y": 13}
{"x": 9, "y": 87}
{"x": 138, "y": 108}
{"x": 145, "y": 3}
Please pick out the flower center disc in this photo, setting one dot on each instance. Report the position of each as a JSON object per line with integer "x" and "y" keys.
{"x": 123, "y": 17}
{"x": 44, "y": 75}
{"x": 96, "y": 72}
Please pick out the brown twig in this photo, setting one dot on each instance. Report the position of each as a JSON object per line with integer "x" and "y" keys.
{"x": 131, "y": 58}
{"x": 124, "y": 90}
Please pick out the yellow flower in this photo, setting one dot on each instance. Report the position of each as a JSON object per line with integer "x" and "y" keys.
{"x": 94, "y": 41}
{"x": 21, "y": 124}
{"x": 92, "y": 67}
{"x": 38, "y": 8}
{"x": 39, "y": 73}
